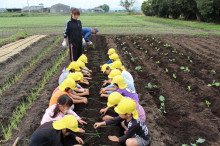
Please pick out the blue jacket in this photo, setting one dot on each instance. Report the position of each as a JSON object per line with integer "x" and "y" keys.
{"x": 86, "y": 32}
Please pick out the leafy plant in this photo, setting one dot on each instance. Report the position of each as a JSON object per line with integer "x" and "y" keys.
{"x": 200, "y": 140}
{"x": 147, "y": 40}
{"x": 138, "y": 68}
{"x": 133, "y": 59}
{"x": 146, "y": 52}
{"x": 124, "y": 48}
{"x": 174, "y": 76}
{"x": 126, "y": 52}
{"x": 135, "y": 43}
{"x": 157, "y": 48}
{"x": 189, "y": 88}
{"x": 173, "y": 60}
{"x": 207, "y": 103}
{"x": 181, "y": 53}
{"x": 157, "y": 62}
{"x": 166, "y": 69}
{"x": 189, "y": 59}
{"x": 174, "y": 51}
{"x": 214, "y": 84}
{"x": 165, "y": 54}
{"x": 150, "y": 86}
{"x": 152, "y": 44}
{"x": 162, "y": 104}
{"x": 185, "y": 68}
{"x": 123, "y": 43}
{"x": 166, "y": 45}
{"x": 118, "y": 39}
{"x": 213, "y": 71}
{"x": 141, "y": 48}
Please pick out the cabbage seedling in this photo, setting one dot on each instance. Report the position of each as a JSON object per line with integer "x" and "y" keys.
{"x": 200, "y": 140}
{"x": 157, "y": 62}
{"x": 141, "y": 48}
{"x": 189, "y": 88}
{"x": 181, "y": 53}
{"x": 214, "y": 84}
{"x": 166, "y": 69}
{"x": 133, "y": 59}
{"x": 157, "y": 48}
{"x": 126, "y": 52}
{"x": 166, "y": 45}
{"x": 118, "y": 39}
{"x": 162, "y": 104}
{"x": 147, "y": 40}
{"x": 135, "y": 43}
{"x": 174, "y": 76}
{"x": 146, "y": 52}
{"x": 124, "y": 48}
{"x": 213, "y": 71}
{"x": 165, "y": 54}
{"x": 150, "y": 86}
{"x": 207, "y": 103}
{"x": 138, "y": 68}
{"x": 173, "y": 60}
{"x": 123, "y": 43}
{"x": 185, "y": 68}
{"x": 174, "y": 51}
{"x": 188, "y": 58}
{"x": 152, "y": 44}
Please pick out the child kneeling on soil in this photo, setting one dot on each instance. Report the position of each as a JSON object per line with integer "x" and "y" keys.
{"x": 79, "y": 91}
{"x": 137, "y": 133}
{"x": 57, "y": 133}
{"x": 110, "y": 52}
{"x": 111, "y": 88}
{"x": 66, "y": 88}
{"x": 58, "y": 111}
{"x": 73, "y": 67}
{"x": 114, "y": 99}
{"x": 84, "y": 59}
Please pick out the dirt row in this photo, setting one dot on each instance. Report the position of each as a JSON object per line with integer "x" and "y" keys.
{"x": 18, "y": 92}
{"x": 187, "y": 117}
{"x": 14, "y": 64}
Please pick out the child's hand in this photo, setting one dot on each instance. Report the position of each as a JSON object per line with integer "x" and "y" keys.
{"x": 107, "y": 117}
{"x": 103, "y": 111}
{"x": 81, "y": 130}
{"x": 97, "y": 125}
{"x": 81, "y": 122}
{"x": 113, "y": 138}
{"x": 86, "y": 91}
{"x": 85, "y": 100}
{"x": 79, "y": 140}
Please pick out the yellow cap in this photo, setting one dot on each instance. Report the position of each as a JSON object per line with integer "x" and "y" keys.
{"x": 117, "y": 65}
{"x": 111, "y": 51}
{"x": 73, "y": 65}
{"x": 114, "y": 57}
{"x": 79, "y": 74}
{"x": 120, "y": 81}
{"x": 114, "y": 98}
{"x": 74, "y": 76}
{"x": 81, "y": 64}
{"x": 68, "y": 82}
{"x": 114, "y": 73}
{"x": 127, "y": 106}
{"x": 68, "y": 121}
{"x": 83, "y": 58}
{"x": 104, "y": 67}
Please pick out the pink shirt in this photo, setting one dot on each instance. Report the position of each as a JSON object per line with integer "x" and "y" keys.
{"x": 141, "y": 112}
{"x": 50, "y": 111}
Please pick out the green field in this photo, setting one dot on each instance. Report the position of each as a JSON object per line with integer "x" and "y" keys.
{"x": 107, "y": 23}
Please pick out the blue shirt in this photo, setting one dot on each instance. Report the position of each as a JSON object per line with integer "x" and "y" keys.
{"x": 109, "y": 62}
{"x": 86, "y": 32}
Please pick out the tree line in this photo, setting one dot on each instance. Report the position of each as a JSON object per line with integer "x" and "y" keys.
{"x": 201, "y": 10}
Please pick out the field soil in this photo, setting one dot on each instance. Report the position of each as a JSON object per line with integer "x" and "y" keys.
{"x": 188, "y": 117}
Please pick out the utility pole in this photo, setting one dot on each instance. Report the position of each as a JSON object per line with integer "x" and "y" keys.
{"x": 29, "y": 8}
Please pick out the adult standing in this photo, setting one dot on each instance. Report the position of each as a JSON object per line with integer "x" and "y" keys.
{"x": 86, "y": 32}
{"x": 73, "y": 31}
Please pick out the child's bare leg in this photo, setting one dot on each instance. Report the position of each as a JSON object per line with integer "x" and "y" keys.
{"x": 131, "y": 142}
{"x": 104, "y": 95}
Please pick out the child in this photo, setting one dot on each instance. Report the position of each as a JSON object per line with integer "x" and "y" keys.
{"x": 125, "y": 74}
{"x": 84, "y": 59}
{"x": 114, "y": 99}
{"x": 57, "y": 111}
{"x": 110, "y": 52}
{"x": 137, "y": 133}
{"x": 114, "y": 57}
{"x": 66, "y": 88}
{"x": 57, "y": 133}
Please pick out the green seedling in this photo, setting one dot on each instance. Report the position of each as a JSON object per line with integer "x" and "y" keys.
{"x": 166, "y": 45}
{"x": 159, "y": 42}
{"x": 189, "y": 88}
{"x": 185, "y": 68}
{"x": 128, "y": 37}
{"x": 152, "y": 44}
{"x": 150, "y": 86}
{"x": 146, "y": 52}
{"x": 157, "y": 48}
{"x": 141, "y": 48}
{"x": 157, "y": 62}
{"x": 213, "y": 71}
{"x": 165, "y": 54}
{"x": 174, "y": 76}
{"x": 188, "y": 58}
{"x": 172, "y": 60}
{"x": 214, "y": 84}
{"x": 138, "y": 68}
{"x": 166, "y": 69}
{"x": 200, "y": 140}
{"x": 181, "y": 54}
{"x": 93, "y": 46}
{"x": 133, "y": 59}
{"x": 118, "y": 39}
{"x": 123, "y": 43}
{"x": 147, "y": 40}
{"x": 124, "y": 48}
{"x": 130, "y": 54}
{"x": 207, "y": 103}
{"x": 135, "y": 43}
{"x": 126, "y": 52}
{"x": 138, "y": 45}
{"x": 174, "y": 51}
{"x": 162, "y": 104}
{"x": 152, "y": 57}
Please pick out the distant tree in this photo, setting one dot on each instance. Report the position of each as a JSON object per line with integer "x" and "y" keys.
{"x": 105, "y": 7}
{"x": 146, "y": 8}
{"x": 189, "y": 9}
{"x": 174, "y": 9}
{"x": 128, "y": 5}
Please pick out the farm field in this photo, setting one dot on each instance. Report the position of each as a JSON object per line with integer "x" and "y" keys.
{"x": 166, "y": 61}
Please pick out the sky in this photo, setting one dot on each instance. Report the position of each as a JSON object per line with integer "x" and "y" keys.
{"x": 114, "y": 4}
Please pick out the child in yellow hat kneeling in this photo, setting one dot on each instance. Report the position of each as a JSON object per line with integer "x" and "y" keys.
{"x": 137, "y": 132}
{"x": 57, "y": 133}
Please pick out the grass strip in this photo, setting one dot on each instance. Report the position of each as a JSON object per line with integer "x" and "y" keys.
{"x": 23, "y": 106}
{"x": 13, "y": 38}
{"x": 11, "y": 80}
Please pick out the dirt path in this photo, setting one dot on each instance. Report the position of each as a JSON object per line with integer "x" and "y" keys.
{"x": 11, "y": 49}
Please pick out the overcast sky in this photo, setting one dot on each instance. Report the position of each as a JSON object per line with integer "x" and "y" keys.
{"x": 114, "y": 4}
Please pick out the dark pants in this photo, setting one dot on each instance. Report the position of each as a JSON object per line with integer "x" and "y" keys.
{"x": 75, "y": 51}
